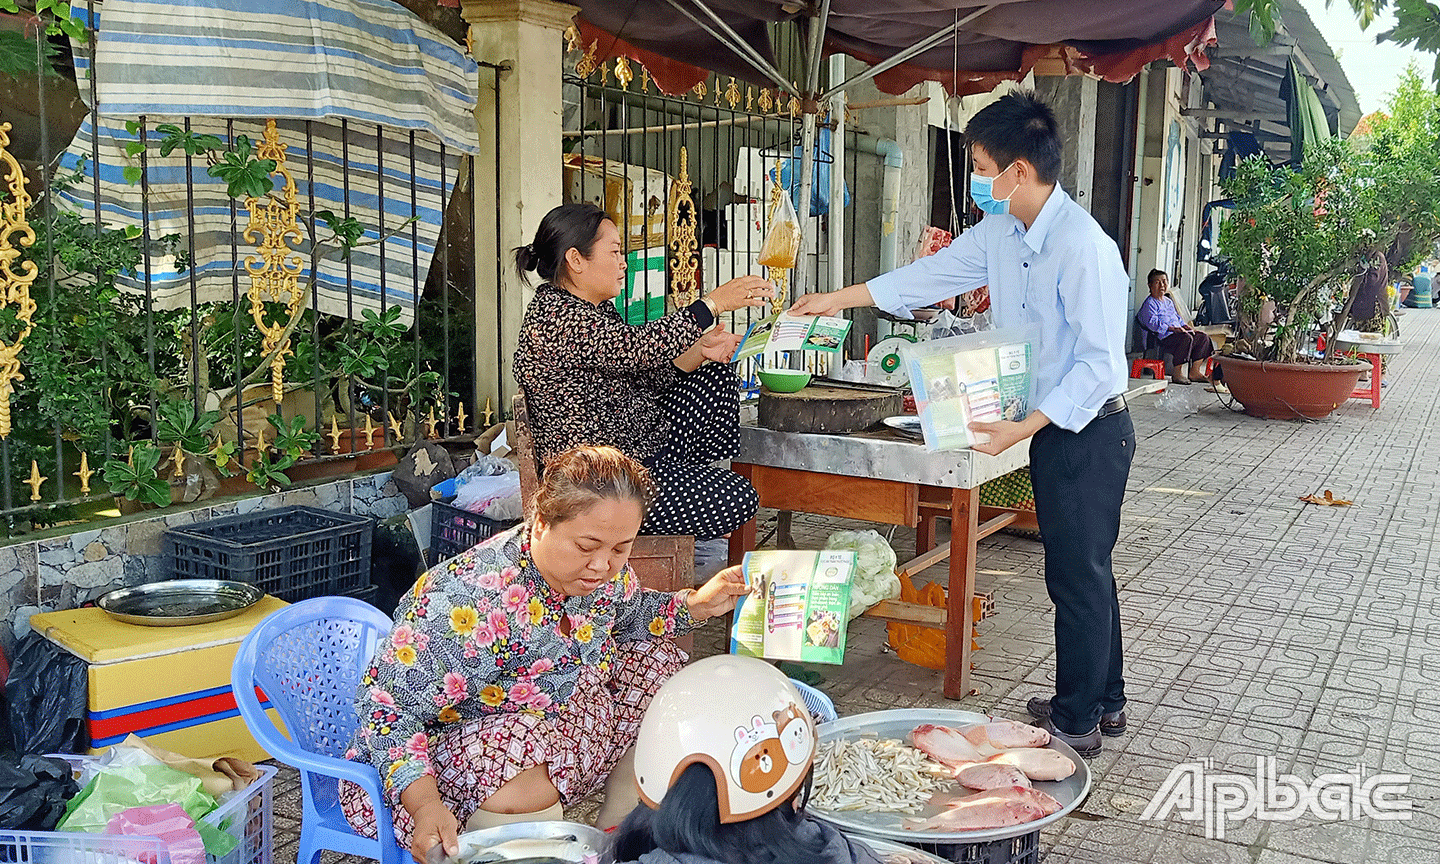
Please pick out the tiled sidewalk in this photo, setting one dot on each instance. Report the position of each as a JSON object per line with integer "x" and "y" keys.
{"x": 1256, "y": 625}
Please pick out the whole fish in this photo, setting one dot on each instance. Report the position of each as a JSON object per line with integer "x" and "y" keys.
{"x": 980, "y": 813}
{"x": 1038, "y": 763}
{"x": 1005, "y": 735}
{"x": 1026, "y": 794}
{"x": 988, "y": 775}
{"x": 945, "y": 745}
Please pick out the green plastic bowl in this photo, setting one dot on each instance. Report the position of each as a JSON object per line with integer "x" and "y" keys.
{"x": 784, "y": 380}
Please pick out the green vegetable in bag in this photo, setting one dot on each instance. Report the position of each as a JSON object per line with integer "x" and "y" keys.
{"x": 875, "y": 578}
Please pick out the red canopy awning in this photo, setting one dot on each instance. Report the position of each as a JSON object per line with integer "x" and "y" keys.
{"x": 1004, "y": 42}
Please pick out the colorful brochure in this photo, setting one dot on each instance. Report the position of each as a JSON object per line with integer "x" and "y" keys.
{"x": 793, "y": 333}
{"x": 974, "y": 378}
{"x": 798, "y": 606}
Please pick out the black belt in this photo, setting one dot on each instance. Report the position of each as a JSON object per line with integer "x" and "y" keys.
{"x": 1114, "y": 405}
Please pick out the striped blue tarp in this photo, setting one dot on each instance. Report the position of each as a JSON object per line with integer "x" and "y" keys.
{"x": 375, "y": 108}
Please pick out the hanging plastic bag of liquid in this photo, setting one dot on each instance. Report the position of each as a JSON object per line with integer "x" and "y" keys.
{"x": 782, "y": 241}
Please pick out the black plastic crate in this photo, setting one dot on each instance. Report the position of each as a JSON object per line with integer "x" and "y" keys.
{"x": 453, "y": 530}
{"x": 294, "y": 553}
{"x": 1024, "y": 849}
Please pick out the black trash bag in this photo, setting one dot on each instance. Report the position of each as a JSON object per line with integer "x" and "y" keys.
{"x": 47, "y": 695}
{"x": 33, "y": 791}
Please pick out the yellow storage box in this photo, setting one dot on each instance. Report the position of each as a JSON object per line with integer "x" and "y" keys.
{"x": 169, "y": 685}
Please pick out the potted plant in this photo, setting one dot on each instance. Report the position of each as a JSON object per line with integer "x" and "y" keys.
{"x": 136, "y": 482}
{"x": 1301, "y": 244}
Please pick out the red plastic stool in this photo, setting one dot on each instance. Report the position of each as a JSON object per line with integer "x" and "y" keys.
{"x": 1140, "y": 364}
{"x": 1371, "y": 392}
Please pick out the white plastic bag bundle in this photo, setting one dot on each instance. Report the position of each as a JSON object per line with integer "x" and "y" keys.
{"x": 875, "y": 578}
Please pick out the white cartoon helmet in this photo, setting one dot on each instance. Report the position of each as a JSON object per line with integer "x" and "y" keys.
{"x": 742, "y": 718}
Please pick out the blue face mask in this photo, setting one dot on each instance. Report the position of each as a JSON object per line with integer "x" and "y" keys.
{"x": 980, "y": 193}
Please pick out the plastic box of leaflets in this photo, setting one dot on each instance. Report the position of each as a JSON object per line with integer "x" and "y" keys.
{"x": 169, "y": 685}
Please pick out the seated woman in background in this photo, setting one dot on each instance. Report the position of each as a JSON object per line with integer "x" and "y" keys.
{"x": 662, "y": 392}
{"x": 1185, "y": 345}
{"x": 516, "y": 674}
{"x": 723, "y": 763}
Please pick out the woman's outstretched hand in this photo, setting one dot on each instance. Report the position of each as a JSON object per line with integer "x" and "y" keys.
{"x": 740, "y": 292}
{"x": 717, "y": 596}
{"x": 718, "y": 344}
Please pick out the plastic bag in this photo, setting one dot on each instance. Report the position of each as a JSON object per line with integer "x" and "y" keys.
{"x": 135, "y": 779}
{"x": 168, "y": 822}
{"x": 820, "y": 182}
{"x": 476, "y": 495}
{"x": 948, "y": 324}
{"x": 875, "y": 578}
{"x": 782, "y": 242}
{"x": 507, "y": 508}
{"x": 33, "y": 791}
{"x": 47, "y": 691}
{"x": 484, "y": 466}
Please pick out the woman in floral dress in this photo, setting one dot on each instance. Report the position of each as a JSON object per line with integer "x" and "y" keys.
{"x": 516, "y": 674}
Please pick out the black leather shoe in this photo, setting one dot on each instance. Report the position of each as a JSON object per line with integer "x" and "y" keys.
{"x": 1111, "y": 724}
{"x": 1087, "y": 745}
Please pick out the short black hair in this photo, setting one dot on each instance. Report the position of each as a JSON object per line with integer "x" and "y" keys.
{"x": 1018, "y": 126}
{"x": 1153, "y": 273}
{"x": 688, "y": 821}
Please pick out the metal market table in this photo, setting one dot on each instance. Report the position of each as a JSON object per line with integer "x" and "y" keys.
{"x": 883, "y": 476}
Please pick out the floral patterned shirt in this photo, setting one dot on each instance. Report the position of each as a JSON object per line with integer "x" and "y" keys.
{"x": 482, "y": 635}
{"x": 591, "y": 378}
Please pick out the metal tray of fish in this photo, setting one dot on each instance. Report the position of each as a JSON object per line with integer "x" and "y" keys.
{"x": 530, "y": 842}
{"x": 180, "y": 602}
{"x": 891, "y": 826}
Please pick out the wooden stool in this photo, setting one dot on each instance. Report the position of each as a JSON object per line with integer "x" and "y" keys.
{"x": 663, "y": 563}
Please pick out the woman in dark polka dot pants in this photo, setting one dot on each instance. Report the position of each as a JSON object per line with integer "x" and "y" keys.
{"x": 662, "y": 392}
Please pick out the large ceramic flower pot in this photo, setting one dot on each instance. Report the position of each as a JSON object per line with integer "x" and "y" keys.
{"x": 1287, "y": 391}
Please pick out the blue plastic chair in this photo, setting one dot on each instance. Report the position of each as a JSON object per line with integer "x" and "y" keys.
{"x": 820, "y": 705}
{"x": 308, "y": 659}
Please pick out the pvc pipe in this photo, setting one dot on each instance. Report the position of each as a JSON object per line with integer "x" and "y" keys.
{"x": 889, "y": 195}
{"x": 835, "y": 244}
{"x": 807, "y": 174}
{"x": 1137, "y": 170}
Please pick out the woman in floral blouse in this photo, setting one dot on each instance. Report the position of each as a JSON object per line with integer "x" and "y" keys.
{"x": 662, "y": 392}
{"x": 517, "y": 673}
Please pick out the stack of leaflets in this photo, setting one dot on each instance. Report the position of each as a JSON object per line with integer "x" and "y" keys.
{"x": 793, "y": 333}
{"x": 974, "y": 378}
{"x": 798, "y": 606}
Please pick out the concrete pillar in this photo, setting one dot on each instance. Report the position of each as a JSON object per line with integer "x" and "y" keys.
{"x": 1150, "y": 249}
{"x": 1072, "y": 98}
{"x": 518, "y": 172}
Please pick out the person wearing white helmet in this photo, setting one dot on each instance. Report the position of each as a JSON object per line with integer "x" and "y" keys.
{"x": 517, "y": 673}
{"x": 723, "y": 763}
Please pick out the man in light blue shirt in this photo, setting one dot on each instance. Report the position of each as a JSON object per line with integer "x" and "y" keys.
{"x": 1050, "y": 268}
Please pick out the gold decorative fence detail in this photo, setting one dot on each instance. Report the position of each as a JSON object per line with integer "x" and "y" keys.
{"x": 15, "y": 233}
{"x": 684, "y": 260}
{"x": 274, "y": 229}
